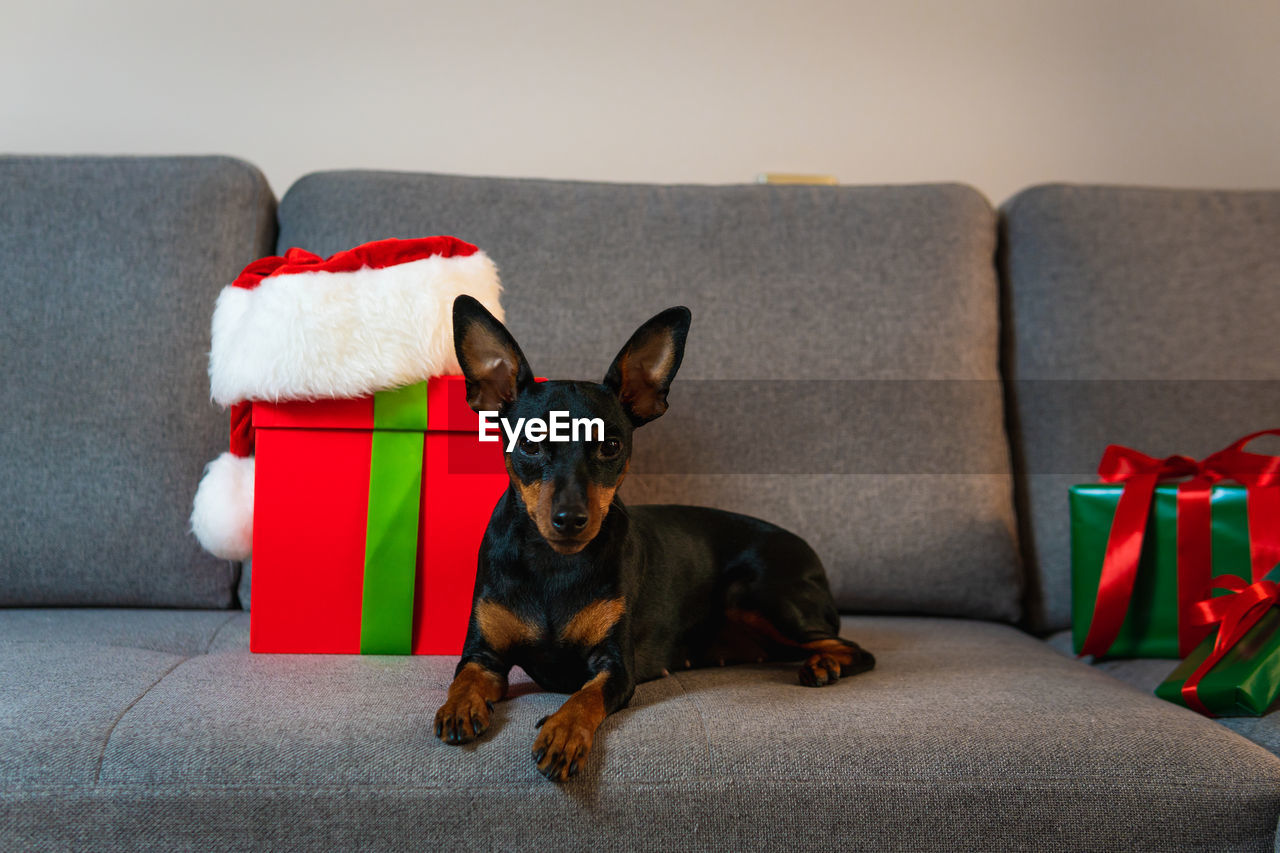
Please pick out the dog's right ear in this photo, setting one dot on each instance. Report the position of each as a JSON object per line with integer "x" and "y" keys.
{"x": 491, "y": 360}
{"x": 643, "y": 370}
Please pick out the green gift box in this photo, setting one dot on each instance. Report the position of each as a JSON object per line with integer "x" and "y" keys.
{"x": 1150, "y": 626}
{"x": 1244, "y": 681}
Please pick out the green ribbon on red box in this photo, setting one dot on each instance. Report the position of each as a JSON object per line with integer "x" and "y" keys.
{"x": 1258, "y": 473}
{"x": 391, "y": 533}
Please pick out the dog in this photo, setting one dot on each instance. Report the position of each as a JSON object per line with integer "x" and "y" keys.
{"x": 591, "y": 597}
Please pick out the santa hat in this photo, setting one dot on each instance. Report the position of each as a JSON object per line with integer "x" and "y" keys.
{"x": 302, "y": 327}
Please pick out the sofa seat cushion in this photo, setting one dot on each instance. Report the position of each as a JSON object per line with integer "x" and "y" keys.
{"x": 966, "y": 730}
{"x": 1146, "y": 674}
{"x": 840, "y": 377}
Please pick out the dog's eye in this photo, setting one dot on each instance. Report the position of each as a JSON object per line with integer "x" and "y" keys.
{"x": 530, "y": 448}
{"x": 610, "y": 448}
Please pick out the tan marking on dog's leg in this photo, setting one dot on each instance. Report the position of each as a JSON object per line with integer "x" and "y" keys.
{"x": 830, "y": 658}
{"x": 465, "y": 714}
{"x": 566, "y": 736}
{"x": 756, "y": 623}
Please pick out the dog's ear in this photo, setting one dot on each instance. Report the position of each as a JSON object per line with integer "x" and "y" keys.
{"x": 491, "y": 360}
{"x": 642, "y": 372}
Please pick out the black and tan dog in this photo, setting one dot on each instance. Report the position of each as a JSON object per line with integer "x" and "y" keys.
{"x": 590, "y": 596}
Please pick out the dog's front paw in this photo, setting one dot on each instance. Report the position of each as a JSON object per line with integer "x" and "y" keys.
{"x": 462, "y": 719}
{"x": 834, "y": 659}
{"x": 820, "y": 670}
{"x": 562, "y": 745}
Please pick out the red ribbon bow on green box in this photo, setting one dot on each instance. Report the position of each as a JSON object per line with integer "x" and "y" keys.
{"x": 1236, "y": 614}
{"x": 1140, "y": 473}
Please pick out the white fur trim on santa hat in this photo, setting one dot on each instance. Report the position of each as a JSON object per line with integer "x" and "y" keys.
{"x": 320, "y": 334}
{"x": 222, "y": 513}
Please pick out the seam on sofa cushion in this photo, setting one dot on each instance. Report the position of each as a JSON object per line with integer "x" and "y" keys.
{"x": 102, "y": 754}
{"x": 216, "y": 631}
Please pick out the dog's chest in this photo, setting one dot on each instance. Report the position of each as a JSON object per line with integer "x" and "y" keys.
{"x": 570, "y": 631}
{"x": 553, "y": 663}
{"x": 559, "y": 673}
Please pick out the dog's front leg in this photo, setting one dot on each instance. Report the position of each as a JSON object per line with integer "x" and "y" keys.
{"x": 466, "y": 711}
{"x": 561, "y": 747}
{"x": 481, "y": 676}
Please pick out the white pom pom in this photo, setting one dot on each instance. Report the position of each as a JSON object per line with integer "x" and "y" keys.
{"x": 222, "y": 515}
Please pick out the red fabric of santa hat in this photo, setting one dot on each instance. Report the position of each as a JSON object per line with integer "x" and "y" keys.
{"x": 302, "y": 327}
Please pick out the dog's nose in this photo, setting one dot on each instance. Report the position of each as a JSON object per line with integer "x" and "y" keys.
{"x": 569, "y": 521}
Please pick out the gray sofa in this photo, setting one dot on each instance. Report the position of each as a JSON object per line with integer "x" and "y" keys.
{"x": 904, "y": 375}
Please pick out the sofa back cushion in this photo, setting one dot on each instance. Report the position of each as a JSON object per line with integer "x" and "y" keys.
{"x": 840, "y": 377}
{"x": 111, "y": 267}
{"x": 1144, "y": 317}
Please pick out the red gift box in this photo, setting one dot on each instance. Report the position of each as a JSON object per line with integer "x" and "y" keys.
{"x": 311, "y": 526}
{"x": 369, "y": 496}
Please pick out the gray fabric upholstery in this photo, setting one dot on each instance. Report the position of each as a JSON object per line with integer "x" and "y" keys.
{"x": 968, "y": 734}
{"x": 1146, "y": 674}
{"x": 871, "y": 310}
{"x": 111, "y": 267}
{"x": 1136, "y": 316}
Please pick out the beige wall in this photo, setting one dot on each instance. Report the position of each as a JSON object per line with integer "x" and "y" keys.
{"x": 997, "y": 93}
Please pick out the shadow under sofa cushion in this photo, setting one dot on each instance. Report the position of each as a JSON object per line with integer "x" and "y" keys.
{"x": 111, "y": 267}
{"x": 967, "y": 732}
{"x": 840, "y": 377}
{"x": 177, "y": 632}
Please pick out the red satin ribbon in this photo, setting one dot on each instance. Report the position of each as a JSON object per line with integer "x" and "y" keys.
{"x": 241, "y": 443}
{"x": 1257, "y": 472}
{"x": 1237, "y": 613}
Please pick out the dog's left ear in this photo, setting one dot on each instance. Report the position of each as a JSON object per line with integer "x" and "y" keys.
{"x": 491, "y": 360}
{"x": 643, "y": 370}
